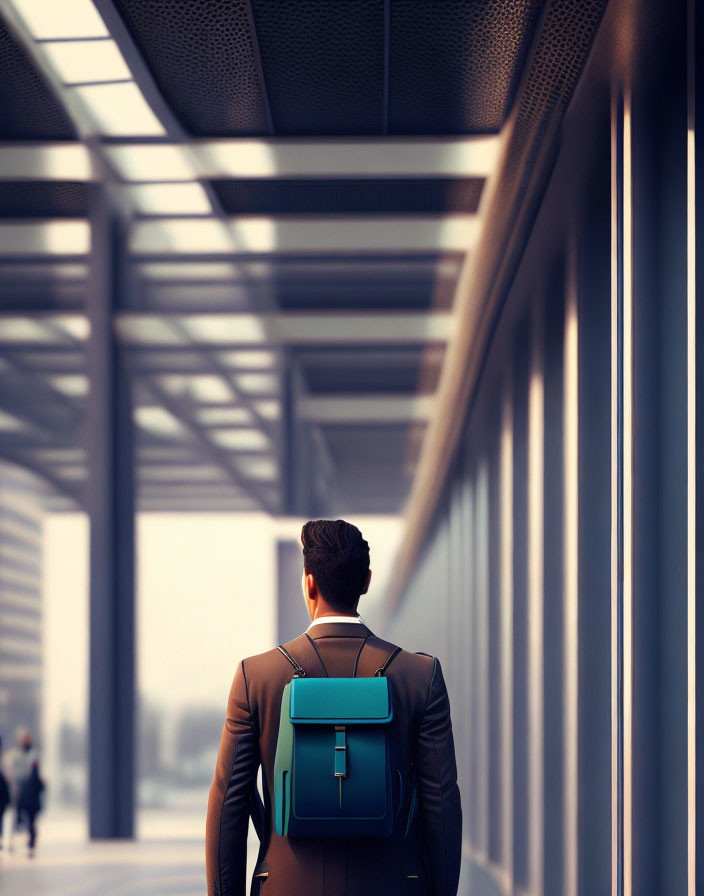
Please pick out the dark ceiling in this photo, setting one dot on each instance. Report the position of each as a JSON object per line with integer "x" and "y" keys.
{"x": 232, "y": 68}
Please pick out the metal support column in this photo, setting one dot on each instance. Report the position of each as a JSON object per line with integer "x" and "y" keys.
{"x": 292, "y": 617}
{"x": 296, "y": 461}
{"x": 111, "y": 508}
{"x": 695, "y": 447}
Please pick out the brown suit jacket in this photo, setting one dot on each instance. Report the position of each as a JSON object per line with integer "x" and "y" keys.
{"x": 426, "y": 862}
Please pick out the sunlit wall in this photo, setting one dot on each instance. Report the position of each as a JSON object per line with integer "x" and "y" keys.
{"x": 556, "y": 579}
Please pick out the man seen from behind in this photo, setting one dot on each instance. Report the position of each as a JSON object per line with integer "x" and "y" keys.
{"x": 422, "y": 854}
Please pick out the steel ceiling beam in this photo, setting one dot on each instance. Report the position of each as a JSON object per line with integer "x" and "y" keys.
{"x": 173, "y": 367}
{"x": 286, "y": 328}
{"x": 241, "y": 399}
{"x": 161, "y": 503}
{"x": 19, "y": 407}
{"x": 49, "y": 392}
{"x": 271, "y": 235}
{"x": 372, "y": 407}
{"x": 195, "y": 462}
{"x": 45, "y": 473}
{"x": 49, "y": 238}
{"x": 386, "y": 157}
{"x": 45, "y": 162}
{"x": 217, "y": 455}
{"x": 137, "y": 161}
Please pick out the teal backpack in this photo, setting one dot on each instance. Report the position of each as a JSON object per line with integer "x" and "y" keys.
{"x": 334, "y": 757}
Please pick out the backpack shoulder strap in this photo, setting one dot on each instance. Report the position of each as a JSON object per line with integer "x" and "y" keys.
{"x": 375, "y": 657}
{"x": 299, "y": 670}
{"x": 305, "y": 659}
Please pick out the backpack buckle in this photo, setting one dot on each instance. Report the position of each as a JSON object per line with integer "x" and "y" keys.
{"x": 340, "y": 751}
{"x": 340, "y": 765}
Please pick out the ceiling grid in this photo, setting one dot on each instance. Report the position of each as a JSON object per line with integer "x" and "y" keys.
{"x": 303, "y": 186}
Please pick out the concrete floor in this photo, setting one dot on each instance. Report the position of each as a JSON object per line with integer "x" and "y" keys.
{"x": 167, "y": 860}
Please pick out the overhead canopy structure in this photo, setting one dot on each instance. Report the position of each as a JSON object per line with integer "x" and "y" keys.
{"x": 297, "y": 190}
{"x": 251, "y": 254}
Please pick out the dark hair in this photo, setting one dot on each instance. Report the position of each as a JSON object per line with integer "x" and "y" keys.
{"x": 338, "y": 557}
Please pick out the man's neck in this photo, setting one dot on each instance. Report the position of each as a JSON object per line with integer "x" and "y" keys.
{"x": 333, "y": 613}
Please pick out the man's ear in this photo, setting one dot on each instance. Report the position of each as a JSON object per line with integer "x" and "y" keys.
{"x": 366, "y": 584}
{"x": 307, "y": 591}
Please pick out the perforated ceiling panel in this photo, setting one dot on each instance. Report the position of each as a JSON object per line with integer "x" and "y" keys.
{"x": 455, "y": 64}
{"x": 243, "y": 197}
{"x": 43, "y": 199}
{"x": 567, "y": 32}
{"x": 203, "y": 57}
{"x": 28, "y": 110}
{"x": 323, "y": 64}
{"x": 348, "y": 67}
{"x": 565, "y": 40}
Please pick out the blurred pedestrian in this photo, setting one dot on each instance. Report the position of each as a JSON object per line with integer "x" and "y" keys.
{"x": 4, "y": 797}
{"x": 30, "y": 804}
{"x": 18, "y": 768}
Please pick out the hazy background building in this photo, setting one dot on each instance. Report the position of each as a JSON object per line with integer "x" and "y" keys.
{"x": 21, "y": 616}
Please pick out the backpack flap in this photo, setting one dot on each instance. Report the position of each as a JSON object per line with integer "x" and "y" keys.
{"x": 340, "y": 701}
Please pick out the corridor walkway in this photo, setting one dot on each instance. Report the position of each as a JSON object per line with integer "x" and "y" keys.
{"x": 167, "y": 860}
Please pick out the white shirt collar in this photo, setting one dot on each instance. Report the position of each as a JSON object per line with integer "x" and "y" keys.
{"x": 320, "y": 619}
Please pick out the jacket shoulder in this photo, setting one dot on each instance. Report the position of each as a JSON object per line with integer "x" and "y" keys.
{"x": 421, "y": 664}
{"x": 263, "y": 663}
